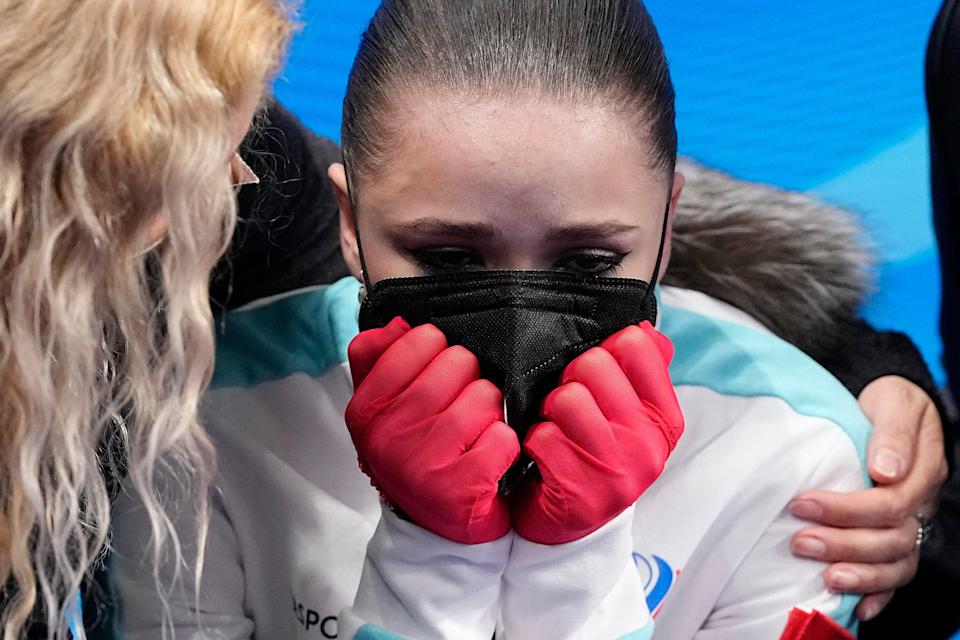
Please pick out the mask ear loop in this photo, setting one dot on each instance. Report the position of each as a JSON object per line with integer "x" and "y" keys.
{"x": 660, "y": 252}
{"x": 364, "y": 273}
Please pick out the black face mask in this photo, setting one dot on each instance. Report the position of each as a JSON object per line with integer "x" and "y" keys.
{"x": 523, "y": 326}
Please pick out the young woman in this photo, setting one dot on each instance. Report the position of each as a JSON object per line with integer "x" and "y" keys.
{"x": 289, "y": 240}
{"x": 118, "y": 126}
{"x": 514, "y": 137}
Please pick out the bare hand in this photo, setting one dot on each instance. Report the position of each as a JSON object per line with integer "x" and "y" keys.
{"x": 870, "y": 535}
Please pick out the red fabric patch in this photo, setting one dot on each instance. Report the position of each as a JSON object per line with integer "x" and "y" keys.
{"x": 813, "y": 626}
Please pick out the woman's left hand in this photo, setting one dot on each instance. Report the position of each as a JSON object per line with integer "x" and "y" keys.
{"x": 870, "y": 536}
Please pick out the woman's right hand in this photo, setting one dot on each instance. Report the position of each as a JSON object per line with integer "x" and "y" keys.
{"x": 429, "y": 431}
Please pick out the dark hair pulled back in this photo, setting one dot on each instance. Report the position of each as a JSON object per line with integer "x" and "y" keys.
{"x": 601, "y": 51}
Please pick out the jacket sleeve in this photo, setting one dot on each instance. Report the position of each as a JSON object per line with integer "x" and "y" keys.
{"x": 588, "y": 589}
{"x": 418, "y": 585}
{"x": 861, "y": 354}
{"x": 218, "y": 612}
{"x": 770, "y": 582}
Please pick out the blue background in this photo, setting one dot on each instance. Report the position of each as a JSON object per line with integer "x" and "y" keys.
{"x": 821, "y": 96}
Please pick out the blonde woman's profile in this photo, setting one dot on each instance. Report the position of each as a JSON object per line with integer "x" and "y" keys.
{"x": 119, "y": 120}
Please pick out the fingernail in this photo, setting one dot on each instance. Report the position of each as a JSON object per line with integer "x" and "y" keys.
{"x": 870, "y": 612}
{"x": 844, "y": 580}
{"x": 809, "y": 548}
{"x": 888, "y": 463}
{"x": 806, "y": 509}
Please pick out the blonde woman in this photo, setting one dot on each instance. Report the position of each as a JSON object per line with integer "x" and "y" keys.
{"x": 119, "y": 120}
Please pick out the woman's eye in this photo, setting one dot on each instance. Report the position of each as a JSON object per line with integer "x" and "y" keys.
{"x": 443, "y": 259}
{"x": 592, "y": 262}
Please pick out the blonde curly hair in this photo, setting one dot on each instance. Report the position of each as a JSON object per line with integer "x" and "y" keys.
{"x": 111, "y": 112}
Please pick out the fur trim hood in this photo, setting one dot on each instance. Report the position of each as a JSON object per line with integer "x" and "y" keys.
{"x": 799, "y": 266}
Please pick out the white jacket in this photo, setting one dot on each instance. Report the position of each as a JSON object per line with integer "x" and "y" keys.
{"x": 299, "y": 546}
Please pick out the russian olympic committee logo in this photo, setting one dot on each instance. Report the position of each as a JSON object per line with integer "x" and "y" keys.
{"x": 658, "y": 578}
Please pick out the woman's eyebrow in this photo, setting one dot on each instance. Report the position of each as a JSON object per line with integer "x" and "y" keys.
{"x": 438, "y": 227}
{"x": 590, "y": 231}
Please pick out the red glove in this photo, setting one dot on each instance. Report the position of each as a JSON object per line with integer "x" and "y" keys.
{"x": 610, "y": 426}
{"x": 429, "y": 432}
{"x": 813, "y": 626}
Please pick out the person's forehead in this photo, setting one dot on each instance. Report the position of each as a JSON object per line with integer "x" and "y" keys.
{"x": 530, "y": 152}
